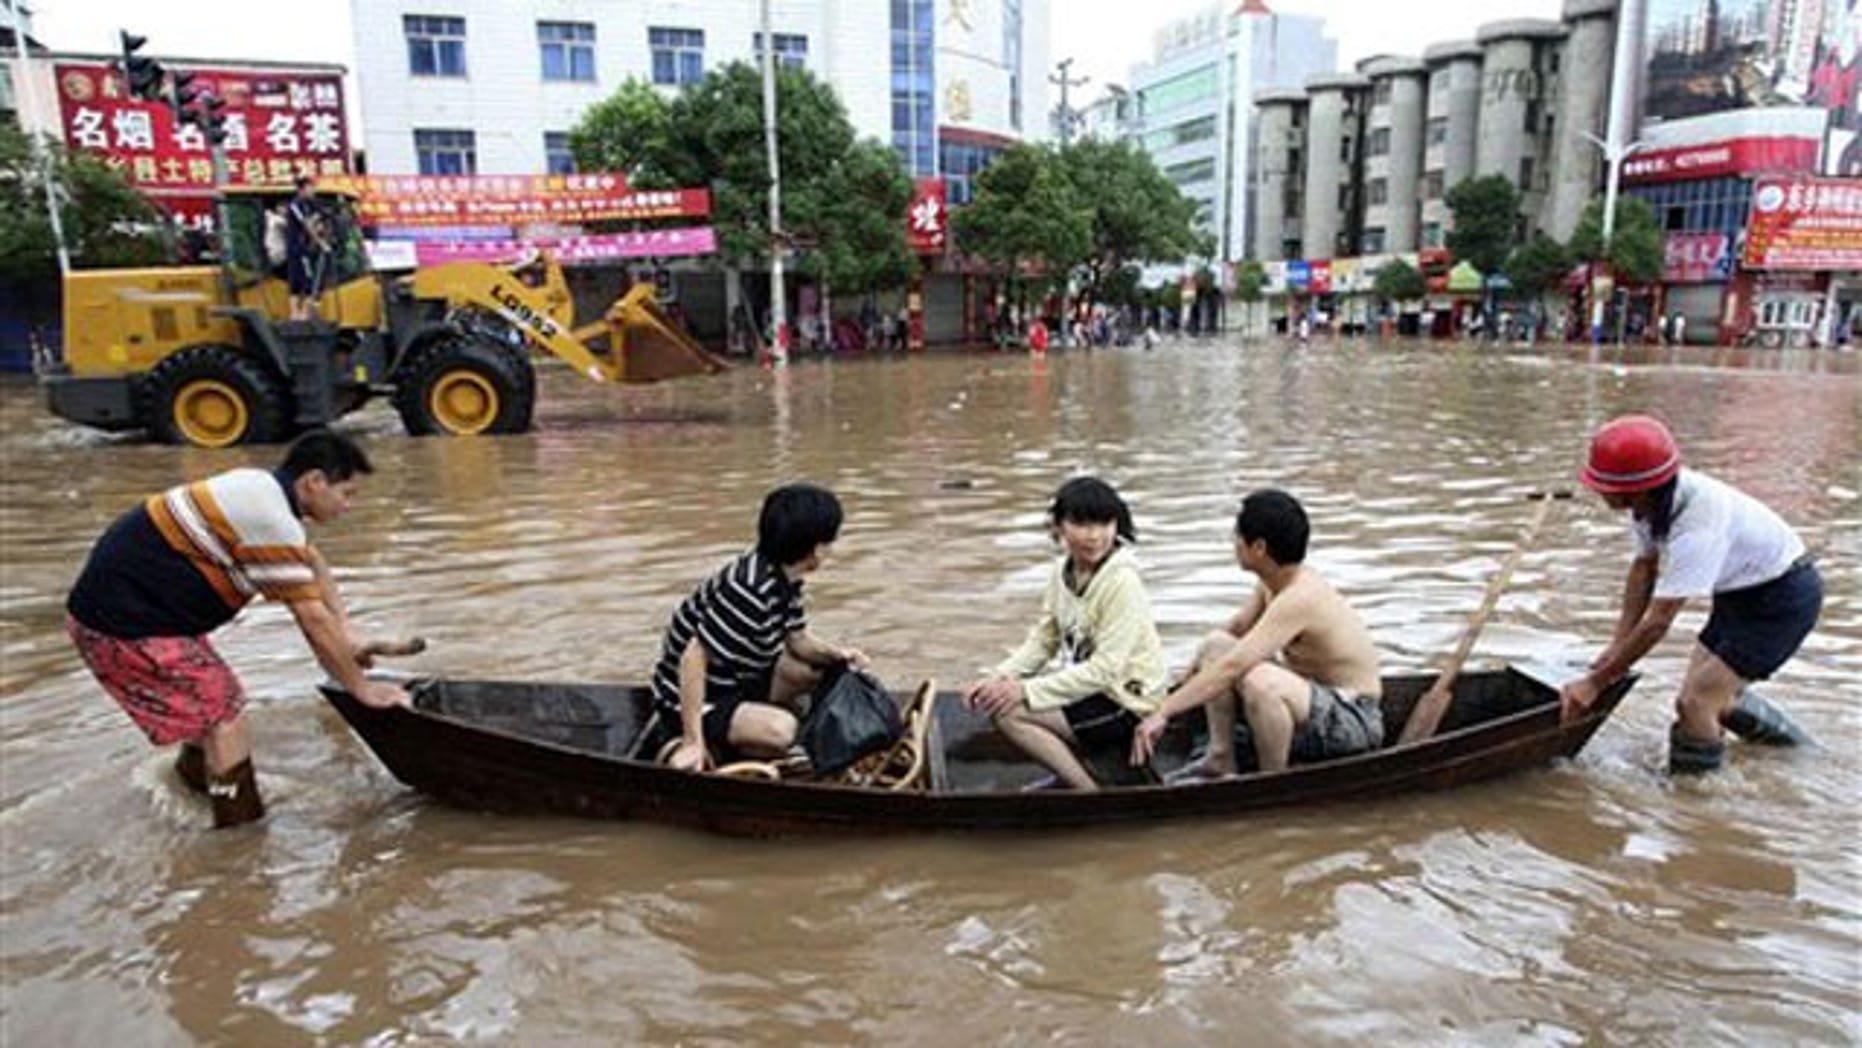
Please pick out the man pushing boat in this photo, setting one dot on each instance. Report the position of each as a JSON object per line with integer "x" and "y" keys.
{"x": 182, "y": 564}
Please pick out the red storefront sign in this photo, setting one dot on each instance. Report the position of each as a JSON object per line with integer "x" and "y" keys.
{"x": 495, "y": 200}
{"x": 1321, "y": 280}
{"x": 1805, "y": 223}
{"x": 928, "y": 221}
{"x": 1734, "y": 156}
{"x": 279, "y": 124}
{"x": 1696, "y": 258}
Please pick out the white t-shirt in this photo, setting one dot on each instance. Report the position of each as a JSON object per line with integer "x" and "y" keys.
{"x": 1721, "y": 539}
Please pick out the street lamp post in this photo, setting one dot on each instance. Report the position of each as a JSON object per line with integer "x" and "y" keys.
{"x": 39, "y": 152}
{"x": 778, "y": 306}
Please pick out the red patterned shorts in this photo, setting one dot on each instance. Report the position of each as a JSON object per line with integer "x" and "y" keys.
{"x": 176, "y": 689}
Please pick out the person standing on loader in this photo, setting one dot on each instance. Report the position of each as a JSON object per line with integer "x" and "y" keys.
{"x": 181, "y": 565}
{"x": 307, "y": 250}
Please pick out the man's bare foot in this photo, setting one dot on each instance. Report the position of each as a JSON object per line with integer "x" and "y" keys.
{"x": 1210, "y": 768}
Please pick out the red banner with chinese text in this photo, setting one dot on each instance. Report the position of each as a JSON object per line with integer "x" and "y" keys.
{"x": 1805, "y": 223}
{"x": 501, "y": 200}
{"x": 279, "y": 124}
{"x": 928, "y": 221}
{"x": 1732, "y": 157}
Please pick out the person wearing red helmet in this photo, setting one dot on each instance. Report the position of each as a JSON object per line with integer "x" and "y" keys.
{"x": 1697, "y": 537}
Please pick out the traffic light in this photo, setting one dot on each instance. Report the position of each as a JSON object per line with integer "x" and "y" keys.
{"x": 141, "y": 74}
{"x": 212, "y": 122}
{"x": 181, "y": 92}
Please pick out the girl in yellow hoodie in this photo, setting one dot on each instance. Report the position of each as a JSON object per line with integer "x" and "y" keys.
{"x": 1096, "y": 618}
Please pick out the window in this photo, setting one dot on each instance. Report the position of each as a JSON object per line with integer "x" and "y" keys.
{"x": 1432, "y": 185}
{"x": 678, "y": 55}
{"x": 1198, "y": 130}
{"x": 791, "y": 49}
{"x": 960, "y": 163}
{"x": 1373, "y": 241}
{"x": 1532, "y": 118}
{"x": 1344, "y": 198}
{"x": 1344, "y": 149}
{"x": 1438, "y": 80}
{"x": 435, "y": 45}
{"x": 1380, "y": 142}
{"x": 568, "y": 50}
{"x": 557, "y": 160}
{"x": 1193, "y": 86}
{"x": 1438, "y": 130}
{"x": 1525, "y": 174}
{"x": 1191, "y": 171}
{"x": 446, "y": 152}
{"x": 1377, "y": 191}
{"x": 914, "y": 86}
{"x": 1432, "y": 234}
{"x": 1383, "y": 92}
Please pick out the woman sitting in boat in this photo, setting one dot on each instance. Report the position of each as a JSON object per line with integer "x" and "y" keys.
{"x": 738, "y": 656}
{"x": 1096, "y": 617}
{"x": 1697, "y": 537}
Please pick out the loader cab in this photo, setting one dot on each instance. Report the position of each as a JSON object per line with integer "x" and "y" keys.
{"x": 350, "y": 297}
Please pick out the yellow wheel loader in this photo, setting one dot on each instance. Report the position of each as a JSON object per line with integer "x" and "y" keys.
{"x": 205, "y": 354}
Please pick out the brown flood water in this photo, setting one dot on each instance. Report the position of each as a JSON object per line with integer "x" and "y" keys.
{"x": 1587, "y": 903}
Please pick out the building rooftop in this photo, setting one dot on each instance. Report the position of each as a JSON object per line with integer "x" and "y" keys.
{"x": 1336, "y": 82}
{"x": 1392, "y": 65}
{"x": 1280, "y": 96}
{"x": 1519, "y": 29}
{"x": 1451, "y": 49}
{"x": 1576, "y": 9}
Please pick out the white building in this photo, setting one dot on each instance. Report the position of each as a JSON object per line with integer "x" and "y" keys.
{"x": 1194, "y": 111}
{"x": 494, "y": 86}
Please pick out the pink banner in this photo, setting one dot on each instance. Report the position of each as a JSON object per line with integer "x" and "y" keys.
{"x": 1694, "y": 258}
{"x": 694, "y": 240}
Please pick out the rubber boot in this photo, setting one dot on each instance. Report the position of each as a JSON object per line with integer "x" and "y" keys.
{"x": 1756, "y": 720}
{"x": 191, "y": 765}
{"x": 1688, "y": 756}
{"x": 235, "y": 797}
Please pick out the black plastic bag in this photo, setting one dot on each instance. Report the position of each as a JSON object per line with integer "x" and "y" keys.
{"x": 852, "y": 716}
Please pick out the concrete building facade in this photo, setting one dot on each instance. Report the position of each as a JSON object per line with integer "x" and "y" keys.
{"x": 1193, "y": 109}
{"x": 1382, "y": 147}
{"x": 494, "y": 86}
{"x": 1280, "y": 172}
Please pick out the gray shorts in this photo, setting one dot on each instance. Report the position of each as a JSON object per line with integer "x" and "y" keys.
{"x": 1338, "y": 725}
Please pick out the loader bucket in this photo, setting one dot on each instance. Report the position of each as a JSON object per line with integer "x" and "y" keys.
{"x": 653, "y": 348}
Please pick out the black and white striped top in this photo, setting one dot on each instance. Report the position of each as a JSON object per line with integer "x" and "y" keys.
{"x": 742, "y": 616}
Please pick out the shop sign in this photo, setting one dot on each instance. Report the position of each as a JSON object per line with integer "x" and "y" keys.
{"x": 928, "y": 223}
{"x": 1805, "y": 223}
{"x": 570, "y": 250}
{"x": 1321, "y": 282}
{"x": 280, "y": 124}
{"x": 507, "y": 200}
{"x": 1697, "y": 258}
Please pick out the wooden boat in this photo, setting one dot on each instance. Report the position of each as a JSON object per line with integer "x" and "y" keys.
{"x": 563, "y": 748}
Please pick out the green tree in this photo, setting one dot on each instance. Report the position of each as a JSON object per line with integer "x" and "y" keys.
{"x": 711, "y": 135}
{"x": 630, "y": 132}
{"x": 1536, "y": 266}
{"x": 1636, "y": 249}
{"x": 1026, "y": 213}
{"x": 1250, "y": 280}
{"x": 1137, "y": 215}
{"x": 107, "y": 222}
{"x": 1398, "y": 281}
{"x": 1486, "y": 211}
{"x": 863, "y": 247}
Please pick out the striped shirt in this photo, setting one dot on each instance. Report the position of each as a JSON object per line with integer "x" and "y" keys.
{"x": 184, "y": 562}
{"x": 742, "y": 616}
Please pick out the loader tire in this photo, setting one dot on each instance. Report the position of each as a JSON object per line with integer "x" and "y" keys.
{"x": 461, "y": 387}
{"x": 215, "y": 397}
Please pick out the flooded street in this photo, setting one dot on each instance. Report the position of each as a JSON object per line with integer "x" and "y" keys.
{"x": 1590, "y": 902}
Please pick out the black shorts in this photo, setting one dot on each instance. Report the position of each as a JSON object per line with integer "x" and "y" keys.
{"x": 301, "y": 274}
{"x": 714, "y": 723}
{"x": 1098, "y": 723}
{"x": 1757, "y": 629}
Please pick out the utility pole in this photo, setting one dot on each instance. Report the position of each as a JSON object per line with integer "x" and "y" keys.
{"x": 1067, "y": 116}
{"x": 39, "y": 152}
{"x": 1617, "y": 143}
{"x": 778, "y": 307}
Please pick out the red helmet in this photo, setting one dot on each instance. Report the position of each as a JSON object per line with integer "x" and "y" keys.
{"x": 1630, "y": 454}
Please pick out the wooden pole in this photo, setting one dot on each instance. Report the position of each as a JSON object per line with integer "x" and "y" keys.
{"x": 1427, "y": 714}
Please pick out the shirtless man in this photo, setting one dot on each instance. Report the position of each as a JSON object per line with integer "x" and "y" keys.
{"x": 1320, "y": 700}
